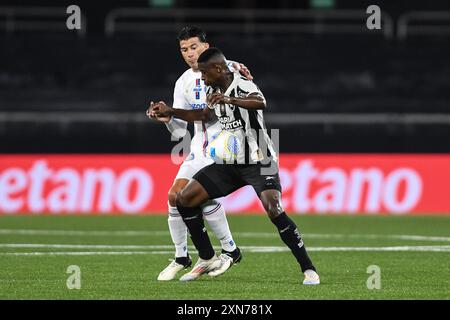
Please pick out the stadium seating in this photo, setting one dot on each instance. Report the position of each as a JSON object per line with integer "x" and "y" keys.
{"x": 110, "y": 79}
{"x": 307, "y": 74}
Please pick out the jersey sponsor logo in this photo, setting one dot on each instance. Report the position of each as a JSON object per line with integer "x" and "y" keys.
{"x": 197, "y": 96}
{"x": 196, "y": 106}
{"x": 226, "y": 124}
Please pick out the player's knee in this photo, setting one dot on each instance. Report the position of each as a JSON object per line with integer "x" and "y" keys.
{"x": 272, "y": 205}
{"x": 172, "y": 198}
{"x": 183, "y": 199}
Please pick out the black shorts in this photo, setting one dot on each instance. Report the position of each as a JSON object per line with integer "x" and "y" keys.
{"x": 220, "y": 180}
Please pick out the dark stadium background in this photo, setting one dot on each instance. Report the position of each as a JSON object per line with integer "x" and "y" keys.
{"x": 65, "y": 92}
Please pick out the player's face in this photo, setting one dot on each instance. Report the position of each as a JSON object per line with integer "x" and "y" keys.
{"x": 191, "y": 49}
{"x": 209, "y": 74}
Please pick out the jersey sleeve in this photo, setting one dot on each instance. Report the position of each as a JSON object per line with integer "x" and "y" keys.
{"x": 177, "y": 127}
{"x": 179, "y": 100}
{"x": 246, "y": 87}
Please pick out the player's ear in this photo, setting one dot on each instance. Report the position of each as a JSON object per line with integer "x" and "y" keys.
{"x": 206, "y": 44}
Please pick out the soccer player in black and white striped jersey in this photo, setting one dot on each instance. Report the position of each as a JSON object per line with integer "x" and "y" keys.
{"x": 238, "y": 105}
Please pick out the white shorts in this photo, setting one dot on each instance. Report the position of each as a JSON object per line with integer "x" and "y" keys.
{"x": 193, "y": 164}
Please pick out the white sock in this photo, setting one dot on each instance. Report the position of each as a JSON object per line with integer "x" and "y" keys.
{"x": 178, "y": 232}
{"x": 214, "y": 213}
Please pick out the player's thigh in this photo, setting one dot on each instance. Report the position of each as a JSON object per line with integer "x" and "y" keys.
{"x": 192, "y": 195}
{"x": 256, "y": 177}
{"x": 267, "y": 187}
{"x": 219, "y": 180}
{"x": 189, "y": 167}
{"x": 193, "y": 164}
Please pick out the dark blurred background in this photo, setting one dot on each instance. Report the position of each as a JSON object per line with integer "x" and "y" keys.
{"x": 332, "y": 85}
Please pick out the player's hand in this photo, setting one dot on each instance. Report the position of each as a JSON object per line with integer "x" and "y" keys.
{"x": 243, "y": 70}
{"x": 162, "y": 110}
{"x": 217, "y": 98}
{"x": 151, "y": 113}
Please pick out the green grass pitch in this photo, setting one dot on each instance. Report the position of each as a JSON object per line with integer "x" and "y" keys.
{"x": 120, "y": 257}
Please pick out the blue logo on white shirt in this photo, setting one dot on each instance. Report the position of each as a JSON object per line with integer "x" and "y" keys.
{"x": 196, "y": 106}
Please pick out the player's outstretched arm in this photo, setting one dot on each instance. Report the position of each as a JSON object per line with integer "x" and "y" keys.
{"x": 162, "y": 110}
{"x": 176, "y": 127}
{"x": 253, "y": 101}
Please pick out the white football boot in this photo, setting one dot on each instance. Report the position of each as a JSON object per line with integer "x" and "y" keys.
{"x": 170, "y": 272}
{"x": 202, "y": 267}
{"x": 227, "y": 262}
{"x": 311, "y": 277}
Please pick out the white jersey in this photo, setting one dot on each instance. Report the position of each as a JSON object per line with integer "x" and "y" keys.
{"x": 190, "y": 94}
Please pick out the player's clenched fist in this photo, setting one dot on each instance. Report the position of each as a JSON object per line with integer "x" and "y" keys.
{"x": 161, "y": 109}
{"x": 154, "y": 112}
{"x": 150, "y": 112}
{"x": 217, "y": 98}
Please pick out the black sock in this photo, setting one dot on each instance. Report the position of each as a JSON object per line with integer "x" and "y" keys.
{"x": 193, "y": 218}
{"x": 185, "y": 261}
{"x": 291, "y": 237}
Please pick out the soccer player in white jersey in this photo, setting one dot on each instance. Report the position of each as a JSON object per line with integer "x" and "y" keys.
{"x": 190, "y": 94}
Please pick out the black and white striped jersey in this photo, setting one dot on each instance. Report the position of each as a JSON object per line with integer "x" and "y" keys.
{"x": 247, "y": 125}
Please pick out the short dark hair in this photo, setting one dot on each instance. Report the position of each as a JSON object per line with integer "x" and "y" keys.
{"x": 208, "y": 54}
{"x": 191, "y": 32}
